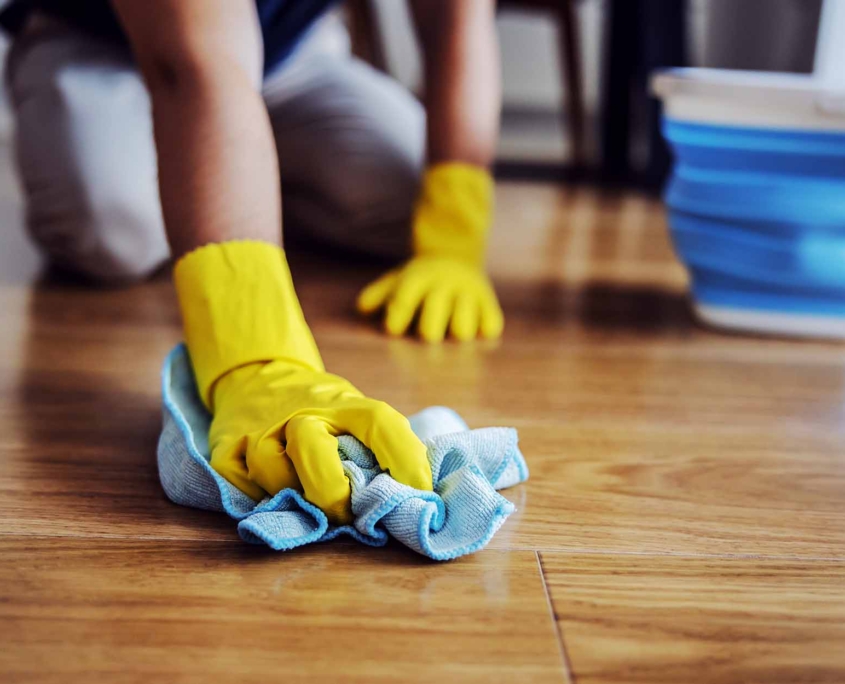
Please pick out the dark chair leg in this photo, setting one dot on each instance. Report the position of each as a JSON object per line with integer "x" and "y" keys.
{"x": 664, "y": 44}
{"x": 620, "y": 66}
{"x": 570, "y": 51}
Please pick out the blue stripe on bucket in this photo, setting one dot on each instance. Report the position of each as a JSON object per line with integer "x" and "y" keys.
{"x": 758, "y": 216}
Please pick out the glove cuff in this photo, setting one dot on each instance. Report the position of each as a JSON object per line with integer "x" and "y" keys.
{"x": 454, "y": 212}
{"x": 239, "y": 307}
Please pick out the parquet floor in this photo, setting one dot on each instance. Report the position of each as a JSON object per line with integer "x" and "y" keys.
{"x": 684, "y": 520}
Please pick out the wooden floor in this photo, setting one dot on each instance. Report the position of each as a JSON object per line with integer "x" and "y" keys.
{"x": 684, "y": 520}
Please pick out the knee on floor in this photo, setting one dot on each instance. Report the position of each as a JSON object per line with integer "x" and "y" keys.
{"x": 108, "y": 241}
{"x": 380, "y": 192}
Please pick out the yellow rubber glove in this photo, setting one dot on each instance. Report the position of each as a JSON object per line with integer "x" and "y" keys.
{"x": 276, "y": 412}
{"x": 445, "y": 280}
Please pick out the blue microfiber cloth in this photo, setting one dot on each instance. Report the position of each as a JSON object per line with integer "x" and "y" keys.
{"x": 459, "y": 517}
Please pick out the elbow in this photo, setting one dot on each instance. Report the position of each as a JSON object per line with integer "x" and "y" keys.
{"x": 169, "y": 72}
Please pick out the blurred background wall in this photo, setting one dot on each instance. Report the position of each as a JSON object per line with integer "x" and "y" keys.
{"x": 777, "y": 35}
{"x": 750, "y": 34}
{"x": 771, "y": 35}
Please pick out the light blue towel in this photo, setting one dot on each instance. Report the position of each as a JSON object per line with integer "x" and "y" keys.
{"x": 459, "y": 517}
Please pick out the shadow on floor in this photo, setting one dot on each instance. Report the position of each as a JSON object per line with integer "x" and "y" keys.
{"x": 600, "y": 306}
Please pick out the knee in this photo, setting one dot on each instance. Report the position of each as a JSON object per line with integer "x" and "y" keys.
{"x": 375, "y": 188}
{"x": 110, "y": 238}
{"x": 129, "y": 242}
{"x": 86, "y": 158}
{"x": 362, "y": 198}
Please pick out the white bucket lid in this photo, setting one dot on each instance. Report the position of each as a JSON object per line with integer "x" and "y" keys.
{"x": 749, "y": 98}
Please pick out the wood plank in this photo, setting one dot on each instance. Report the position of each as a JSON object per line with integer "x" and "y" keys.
{"x": 555, "y": 233}
{"x": 83, "y": 610}
{"x": 676, "y": 490}
{"x": 643, "y": 432}
{"x": 664, "y": 619}
{"x": 80, "y": 413}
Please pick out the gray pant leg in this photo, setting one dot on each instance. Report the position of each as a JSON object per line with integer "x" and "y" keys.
{"x": 350, "y": 142}
{"x": 85, "y": 152}
{"x": 351, "y": 149}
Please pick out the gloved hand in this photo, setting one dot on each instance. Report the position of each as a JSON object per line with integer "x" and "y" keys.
{"x": 276, "y": 412}
{"x": 445, "y": 280}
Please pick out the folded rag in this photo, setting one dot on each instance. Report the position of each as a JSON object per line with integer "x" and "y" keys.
{"x": 459, "y": 517}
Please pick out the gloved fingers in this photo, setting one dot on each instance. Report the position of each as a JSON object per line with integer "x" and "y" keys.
{"x": 388, "y": 435}
{"x": 436, "y": 309}
{"x": 228, "y": 458}
{"x": 268, "y": 464}
{"x": 374, "y": 295}
{"x": 404, "y": 303}
{"x": 313, "y": 451}
{"x": 492, "y": 319}
{"x": 465, "y": 317}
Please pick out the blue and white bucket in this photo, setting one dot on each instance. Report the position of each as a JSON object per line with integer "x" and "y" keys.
{"x": 756, "y": 199}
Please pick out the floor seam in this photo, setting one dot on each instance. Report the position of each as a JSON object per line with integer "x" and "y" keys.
{"x": 671, "y": 554}
{"x": 564, "y": 656}
{"x": 115, "y": 537}
{"x": 531, "y": 549}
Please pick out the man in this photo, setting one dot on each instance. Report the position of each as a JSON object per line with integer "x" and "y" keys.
{"x": 233, "y": 100}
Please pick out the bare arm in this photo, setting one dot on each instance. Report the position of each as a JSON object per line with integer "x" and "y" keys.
{"x": 462, "y": 78}
{"x": 445, "y": 282}
{"x": 202, "y": 61}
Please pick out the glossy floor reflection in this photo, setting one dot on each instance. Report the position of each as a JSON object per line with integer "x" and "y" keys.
{"x": 205, "y": 611}
{"x": 686, "y": 502}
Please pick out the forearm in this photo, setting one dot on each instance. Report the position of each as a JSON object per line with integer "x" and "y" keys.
{"x": 218, "y": 171}
{"x": 444, "y": 285}
{"x": 462, "y": 78}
